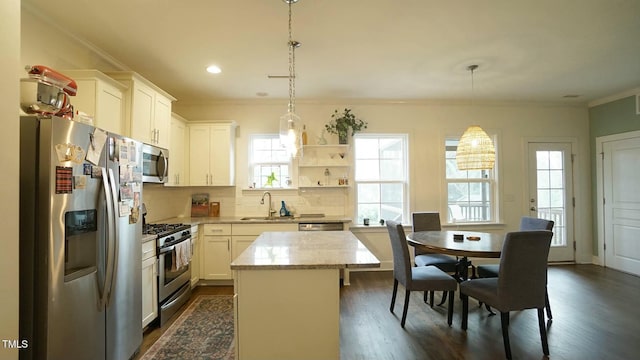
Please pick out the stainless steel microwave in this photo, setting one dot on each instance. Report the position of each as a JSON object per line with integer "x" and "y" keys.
{"x": 155, "y": 164}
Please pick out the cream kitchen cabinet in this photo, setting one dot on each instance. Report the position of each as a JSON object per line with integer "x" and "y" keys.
{"x": 101, "y": 97}
{"x": 324, "y": 167}
{"x": 147, "y": 109}
{"x": 149, "y": 283}
{"x": 240, "y": 243}
{"x": 195, "y": 255}
{"x": 177, "y": 170}
{"x": 212, "y": 154}
{"x": 216, "y": 252}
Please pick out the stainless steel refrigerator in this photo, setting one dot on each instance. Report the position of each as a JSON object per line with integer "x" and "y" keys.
{"x": 80, "y": 241}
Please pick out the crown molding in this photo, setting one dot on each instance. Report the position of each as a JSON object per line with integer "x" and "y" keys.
{"x": 401, "y": 102}
{"x": 614, "y": 97}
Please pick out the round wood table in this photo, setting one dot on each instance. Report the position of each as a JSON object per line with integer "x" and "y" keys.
{"x": 472, "y": 244}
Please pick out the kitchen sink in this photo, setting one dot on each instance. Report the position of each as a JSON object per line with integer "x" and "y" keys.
{"x": 272, "y": 218}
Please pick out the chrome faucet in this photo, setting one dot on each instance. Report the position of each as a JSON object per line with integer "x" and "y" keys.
{"x": 271, "y": 211}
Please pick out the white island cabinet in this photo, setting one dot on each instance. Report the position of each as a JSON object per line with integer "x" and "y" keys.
{"x": 287, "y": 302}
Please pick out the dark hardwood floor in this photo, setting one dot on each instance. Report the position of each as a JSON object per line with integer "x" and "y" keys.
{"x": 596, "y": 316}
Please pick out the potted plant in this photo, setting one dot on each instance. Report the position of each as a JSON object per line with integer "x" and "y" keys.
{"x": 341, "y": 123}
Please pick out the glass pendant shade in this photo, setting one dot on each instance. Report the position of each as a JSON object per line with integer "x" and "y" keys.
{"x": 290, "y": 133}
{"x": 475, "y": 150}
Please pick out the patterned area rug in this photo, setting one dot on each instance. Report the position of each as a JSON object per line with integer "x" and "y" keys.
{"x": 203, "y": 331}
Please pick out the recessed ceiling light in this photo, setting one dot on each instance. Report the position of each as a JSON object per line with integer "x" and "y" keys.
{"x": 214, "y": 69}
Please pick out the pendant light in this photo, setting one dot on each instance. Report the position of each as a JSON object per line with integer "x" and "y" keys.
{"x": 290, "y": 122}
{"x": 475, "y": 149}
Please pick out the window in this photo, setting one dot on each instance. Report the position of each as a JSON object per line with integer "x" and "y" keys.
{"x": 470, "y": 194}
{"x": 381, "y": 177}
{"x": 267, "y": 156}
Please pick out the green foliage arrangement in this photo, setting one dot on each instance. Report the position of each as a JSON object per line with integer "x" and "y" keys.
{"x": 341, "y": 123}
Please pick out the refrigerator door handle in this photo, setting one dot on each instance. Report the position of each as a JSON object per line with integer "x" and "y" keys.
{"x": 106, "y": 288}
{"x": 115, "y": 238}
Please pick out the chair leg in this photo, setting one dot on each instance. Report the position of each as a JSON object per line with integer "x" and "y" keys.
{"x": 444, "y": 298}
{"x": 406, "y": 306}
{"x": 543, "y": 332}
{"x": 450, "y": 309}
{"x": 504, "y": 317}
{"x": 393, "y": 296}
{"x": 431, "y": 294}
{"x": 491, "y": 313}
{"x": 465, "y": 310}
{"x": 547, "y": 305}
{"x": 426, "y": 297}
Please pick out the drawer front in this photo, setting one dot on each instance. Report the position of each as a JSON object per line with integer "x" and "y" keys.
{"x": 257, "y": 229}
{"x": 217, "y": 229}
{"x": 148, "y": 250}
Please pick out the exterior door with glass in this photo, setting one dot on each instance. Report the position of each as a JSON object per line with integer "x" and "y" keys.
{"x": 551, "y": 194}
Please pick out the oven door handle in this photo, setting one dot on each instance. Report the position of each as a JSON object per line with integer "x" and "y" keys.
{"x": 167, "y": 249}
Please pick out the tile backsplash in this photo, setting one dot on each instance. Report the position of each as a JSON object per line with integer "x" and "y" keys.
{"x": 167, "y": 202}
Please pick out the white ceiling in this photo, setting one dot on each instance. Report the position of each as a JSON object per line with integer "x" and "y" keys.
{"x": 528, "y": 50}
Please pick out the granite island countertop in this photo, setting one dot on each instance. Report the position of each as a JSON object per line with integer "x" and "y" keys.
{"x": 256, "y": 220}
{"x": 305, "y": 250}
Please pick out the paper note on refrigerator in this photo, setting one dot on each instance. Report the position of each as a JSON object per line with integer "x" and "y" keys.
{"x": 97, "y": 140}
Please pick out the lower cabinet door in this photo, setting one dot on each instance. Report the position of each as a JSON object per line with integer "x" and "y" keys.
{"x": 216, "y": 258}
{"x": 149, "y": 290}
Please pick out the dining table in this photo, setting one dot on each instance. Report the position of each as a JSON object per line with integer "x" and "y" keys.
{"x": 462, "y": 244}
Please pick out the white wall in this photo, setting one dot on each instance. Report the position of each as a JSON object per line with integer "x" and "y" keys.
{"x": 427, "y": 124}
{"x": 46, "y": 44}
{"x": 9, "y": 191}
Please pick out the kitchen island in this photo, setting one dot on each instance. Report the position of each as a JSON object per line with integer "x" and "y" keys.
{"x": 287, "y": 285}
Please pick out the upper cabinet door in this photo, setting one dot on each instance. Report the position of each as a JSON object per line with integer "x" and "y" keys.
{"x": 110, "y": 108}
{"x": 100, "y": 97}
{"x": 177, "y": 144}
{"x": 212, "y": 154}
{"x": 199, "y": 155}
{"x": 162, "y": 120}
{"x": 142, "y": 106}
{"x": 147, "y": 109}
{"x": 222, "y": 155}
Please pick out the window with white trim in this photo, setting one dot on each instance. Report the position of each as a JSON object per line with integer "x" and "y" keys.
{"x": 470, "y": 193}
{"x": 381, "y": 177}
{"x": 269, "y": 164}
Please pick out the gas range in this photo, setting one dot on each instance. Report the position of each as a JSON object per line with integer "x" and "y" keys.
{"x": 168, "y": 234}
{"x": 174, "y": 272}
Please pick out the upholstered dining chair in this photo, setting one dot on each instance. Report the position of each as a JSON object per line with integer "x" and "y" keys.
{"x": 520, "y": 284}
{"x": 526, "y": 224}
{"x": 415, "y": 278}
{"x": 430, "y": 221}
